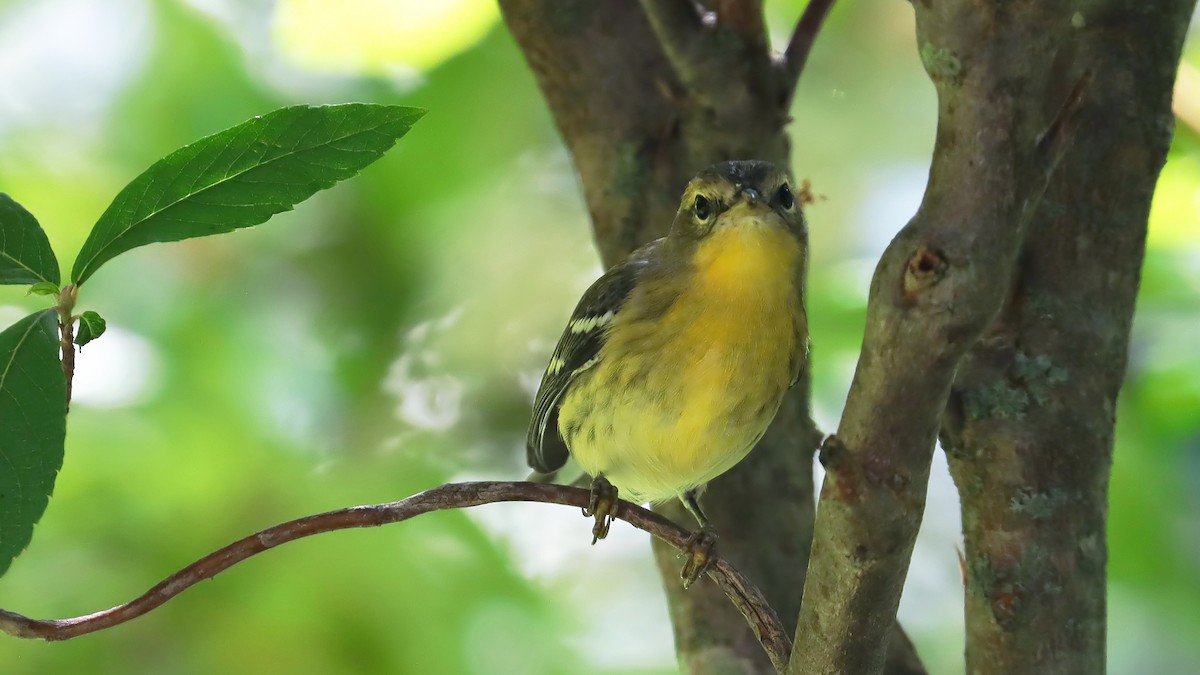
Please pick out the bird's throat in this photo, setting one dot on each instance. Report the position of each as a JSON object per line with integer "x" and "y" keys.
{"x": 747, "y": 264}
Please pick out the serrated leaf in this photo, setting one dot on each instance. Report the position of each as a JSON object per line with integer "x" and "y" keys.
{"x": 244, "y": 175}
{"x": 25, "y": 254}
{"x": 43, "y": 288}
{"x": 91, "y": 326}
{"x": 33, "y": 427}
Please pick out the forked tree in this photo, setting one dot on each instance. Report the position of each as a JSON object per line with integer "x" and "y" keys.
{"x": 998, "y": 319}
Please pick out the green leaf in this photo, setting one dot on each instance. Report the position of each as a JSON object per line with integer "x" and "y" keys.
{"x": 43, "y": 288}
{"x": 244, "y": 175}
{"x": 33, "y": 427}
{"x": 91, "y": 326}
{"x": 25, "y": 254}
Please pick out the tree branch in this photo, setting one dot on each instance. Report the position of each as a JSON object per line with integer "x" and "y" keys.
{"x": 795, "y": 57}
{"x": 740, "y": 591}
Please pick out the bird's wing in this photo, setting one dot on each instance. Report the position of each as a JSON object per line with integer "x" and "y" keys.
{"x": 578, "y": 350}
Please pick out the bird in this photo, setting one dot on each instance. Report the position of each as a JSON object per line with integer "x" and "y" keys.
{"x": 676, "y": 360}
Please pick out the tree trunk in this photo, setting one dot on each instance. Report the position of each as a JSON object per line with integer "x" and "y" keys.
{"x": 1029, "y": 428}
{"x": 637, "y": 135}
{"x": 1022, "y": 84}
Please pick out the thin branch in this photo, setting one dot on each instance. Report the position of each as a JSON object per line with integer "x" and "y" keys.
{"x": 740, "y": 591}
{"x": 803, "y": 37}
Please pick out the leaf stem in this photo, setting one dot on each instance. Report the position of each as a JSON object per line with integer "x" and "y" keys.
{"x": 66, "y": 326}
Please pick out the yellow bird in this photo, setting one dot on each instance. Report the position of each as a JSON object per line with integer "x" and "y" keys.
{"x": 676, "y": 360}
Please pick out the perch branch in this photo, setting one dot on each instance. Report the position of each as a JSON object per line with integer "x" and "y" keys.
{"x": 740, "y": 591}
{"x": 803, "y": 37}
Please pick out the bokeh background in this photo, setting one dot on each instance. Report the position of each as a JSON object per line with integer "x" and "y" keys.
{"x": 387, "y": 336}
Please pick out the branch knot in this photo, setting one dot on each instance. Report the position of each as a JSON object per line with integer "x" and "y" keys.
{"x": 925, "y": 268}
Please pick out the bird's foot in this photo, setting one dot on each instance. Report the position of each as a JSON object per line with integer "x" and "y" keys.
{"x": 602, "y": 506}
{"x": 701, "y": 550}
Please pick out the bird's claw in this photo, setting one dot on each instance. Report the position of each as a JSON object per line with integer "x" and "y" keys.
{"x": 701, "y": 550}
{"x": 602, "y": 506}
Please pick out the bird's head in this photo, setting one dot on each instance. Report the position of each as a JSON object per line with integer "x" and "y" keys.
{"x": 740, "y": 194}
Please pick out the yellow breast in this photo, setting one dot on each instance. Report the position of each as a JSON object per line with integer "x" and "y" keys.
{"x": 745, "y": 277}
{"x": 736, "y": 336}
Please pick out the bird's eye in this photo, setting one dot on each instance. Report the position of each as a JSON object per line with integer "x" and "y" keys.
{"x": 702, "y": 208}
{"x": 785, "y": 198}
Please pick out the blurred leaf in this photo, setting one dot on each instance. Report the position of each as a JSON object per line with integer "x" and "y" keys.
{"x": 91, "y": 326}
{"x": 33, "y": 427}
{"x": 25, "y": 254}
{"x": 43, "y": 288}
{"x": 1176, "y": 206}
{"x": 244, "y": 175}
{"x": 368, "y": 36}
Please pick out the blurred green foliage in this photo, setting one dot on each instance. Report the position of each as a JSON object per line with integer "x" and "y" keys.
{"x": 386, "y": 337}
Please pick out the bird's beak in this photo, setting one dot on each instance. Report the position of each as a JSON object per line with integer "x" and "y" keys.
{"x": 749, "y": 209}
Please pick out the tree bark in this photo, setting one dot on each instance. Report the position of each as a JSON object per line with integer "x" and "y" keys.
{"x": 1029, "y": 427}
{"x": 1008, "y": 90}
{"x": 645, "y": 95}
{"x": 1021, "y": 85}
